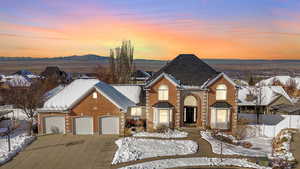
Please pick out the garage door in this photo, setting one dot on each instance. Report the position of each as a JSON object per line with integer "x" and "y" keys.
{"x": 54, "y": 124}
{"x": 109, "y": 125}
{"x": 83, "y": 125}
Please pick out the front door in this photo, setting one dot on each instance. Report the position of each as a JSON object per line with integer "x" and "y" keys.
{"x": 190, "y": 114}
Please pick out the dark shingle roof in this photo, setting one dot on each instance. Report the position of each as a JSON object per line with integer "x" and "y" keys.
{"x": 163, "y": 105}
{"x": 221, "y": 104}
{"x": 188, "y": 69}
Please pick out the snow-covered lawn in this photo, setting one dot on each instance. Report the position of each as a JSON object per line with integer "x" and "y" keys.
{"x": 130, "y": 148}
{"x": 230, "y": 149}
{"x": 196, "y": 161}
{"x": 19, "y": 140}
{"x": 168, "y": 134}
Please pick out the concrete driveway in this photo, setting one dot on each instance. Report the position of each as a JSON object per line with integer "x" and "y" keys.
{"x": 66, "y": 152}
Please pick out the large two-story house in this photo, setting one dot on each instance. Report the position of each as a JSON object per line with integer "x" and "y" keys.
{"x": 186, "y": 92}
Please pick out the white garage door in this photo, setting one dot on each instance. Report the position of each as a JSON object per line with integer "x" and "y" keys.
{"x": 109, "y": 125}
{"x": 83, "y": 125}
{"x": 54, "y": 124}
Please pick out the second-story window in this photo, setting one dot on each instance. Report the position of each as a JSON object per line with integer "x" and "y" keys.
{"x": 163, "y": 92}
{"x": 221, "y": 92}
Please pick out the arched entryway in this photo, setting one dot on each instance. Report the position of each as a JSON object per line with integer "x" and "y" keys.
{"x": 190, "y": 110}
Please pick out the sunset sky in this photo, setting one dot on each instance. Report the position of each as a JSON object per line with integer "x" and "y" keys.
{"x": 159, "y": 29}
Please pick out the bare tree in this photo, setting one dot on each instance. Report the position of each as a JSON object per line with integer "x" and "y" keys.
{"x": 291, "y": 87}
{"x": 255, "y": 95}
{"x": 28, "y": 99}
{"x": 103, "y": 74}
{"x": 121, "y": 62}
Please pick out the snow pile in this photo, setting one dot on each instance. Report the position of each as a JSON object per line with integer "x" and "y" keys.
{"x": 282, "y": 149}
{"x": 131, "y": 149}
{"x": 19, "y": 140}
{"x": 230, "y": 149}
{"x": 169, "y": 134}
{"x": 196, "y": 161}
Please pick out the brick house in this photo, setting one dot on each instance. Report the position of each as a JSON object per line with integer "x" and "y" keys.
{"x": 184, "y": 93}
{"x": 189, "y": 93}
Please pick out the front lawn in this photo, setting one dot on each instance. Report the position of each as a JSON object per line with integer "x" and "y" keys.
{"x": 131, "y": 149}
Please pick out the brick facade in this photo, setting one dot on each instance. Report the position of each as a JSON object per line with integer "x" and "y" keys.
{"x": 88, "y": 107}
{"x": 152, "y": 98}
{"x": 231, "y": 99}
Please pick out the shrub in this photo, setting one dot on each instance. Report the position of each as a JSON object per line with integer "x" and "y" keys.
{"x": 161, "y": 128}
{"x": 247, "y": 144}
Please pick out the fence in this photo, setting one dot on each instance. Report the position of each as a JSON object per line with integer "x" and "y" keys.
{"x": 271, "y": 125}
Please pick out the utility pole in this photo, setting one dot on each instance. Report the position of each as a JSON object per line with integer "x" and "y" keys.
{"x": 8, "y": 138}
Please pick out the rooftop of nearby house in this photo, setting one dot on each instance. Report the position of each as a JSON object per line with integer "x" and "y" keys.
{"x": 264, "y": 95}
{"x": 188, "y": 69}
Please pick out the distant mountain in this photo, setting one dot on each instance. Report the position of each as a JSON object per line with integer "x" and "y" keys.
{"x": 104, "y": 59}
{"x": 74, "y": 57}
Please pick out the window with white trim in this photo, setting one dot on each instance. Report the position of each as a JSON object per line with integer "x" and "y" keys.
{"x": 163, "y": 92}
{"x": 95, "y": 95}
{"x": 220, "y": 118}
{"x": 221, "y": 92}
{"x": 136, "y": 111}
{"x": 163, "y": 116}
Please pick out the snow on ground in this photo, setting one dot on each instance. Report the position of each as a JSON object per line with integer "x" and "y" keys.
{"x": 131, "y": 149}
{"x": 263, "y": 144}
{"x": 19, "y": 140}
{"x": 196, "y": 161}
{"x": 168, "y": 134}
{"x": 230, "y": 149}
{"x": 283, "y": 151}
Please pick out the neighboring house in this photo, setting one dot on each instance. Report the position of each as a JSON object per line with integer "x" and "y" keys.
{"x": 18, "y": 81}
{"x": 185, "y": 93}
{"x": 284, "y": 81}
{"x": 189, "y": 93}
{"x": 140, "y": 76}
{"x": 263, "y": 98}
{"x": 53, "y": 72}
{"x": 86, "y": 106}
{"x": 241, "y": 82}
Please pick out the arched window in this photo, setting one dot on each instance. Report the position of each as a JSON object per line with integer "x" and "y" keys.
{"x": 190, "y": 101}
{"x": 221, "y": 92}
{"x": 163, "y": 92}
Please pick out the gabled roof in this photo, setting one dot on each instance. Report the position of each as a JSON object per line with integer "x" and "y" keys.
{"x": 113, "y": 95}
{"x": 263, "y": 96}
{"x": 132, "y": 92}
{"x": 66, "y": 98}
{"x": 188, "y": 69}
{"x": 210, "y": 82}
{"x": 169, "y": 77}
{"x": 69, "y": 96}
{"x": 284, "y": 80}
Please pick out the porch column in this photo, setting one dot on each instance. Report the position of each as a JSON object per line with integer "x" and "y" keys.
{"x": 205, "y": 109}
{"x": 149, "y": 122}
{"x": 177, "y": 109}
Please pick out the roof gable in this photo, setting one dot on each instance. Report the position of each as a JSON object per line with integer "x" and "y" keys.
{"x": 188, "y": 69}
{"x": 212, "y": 81}
{"x": 166, "y": 76}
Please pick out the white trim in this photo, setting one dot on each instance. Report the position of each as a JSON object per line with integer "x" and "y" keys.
{"x": 217, "y": 77}
{"x": 167, "y": 76}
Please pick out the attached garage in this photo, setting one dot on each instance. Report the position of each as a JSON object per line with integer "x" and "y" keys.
{"x": 54, "y": 124}
{"x": 109, "y": 125}
{"x": 83, "y": 125}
